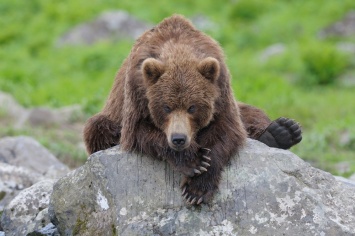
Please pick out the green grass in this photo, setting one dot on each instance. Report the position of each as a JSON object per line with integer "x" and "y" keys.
{"x": 38, "y": 73}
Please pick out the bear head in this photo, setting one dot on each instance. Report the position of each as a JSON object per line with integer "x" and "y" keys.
{"x": 181, "y": 96}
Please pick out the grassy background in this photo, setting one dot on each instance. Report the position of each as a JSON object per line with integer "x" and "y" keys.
{"x": 303, "y": 83}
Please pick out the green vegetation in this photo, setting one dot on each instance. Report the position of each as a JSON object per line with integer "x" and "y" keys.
{"x": 304, "y": 82}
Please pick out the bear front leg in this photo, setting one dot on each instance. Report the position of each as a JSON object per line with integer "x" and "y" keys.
{"x": 100, "y": 133}
{"x": 281, "y": 133}
{"x": 224, "y": 144}
{"x": 201, "y": 188}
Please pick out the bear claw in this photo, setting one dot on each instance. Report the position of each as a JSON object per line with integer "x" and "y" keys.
{"x": 199, "y": 201}
{"x": 192, "y": 201}
{"x": 203, "y": 168}
{"x": 183, "y": 191}
{"x": 197, "y": 166}
{"x": 207, "y": 150}
{"x": 205, "y": 164}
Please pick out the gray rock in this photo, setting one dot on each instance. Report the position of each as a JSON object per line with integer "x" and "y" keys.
{"x": 10, "y": 108}
{"x": 203, "y": 23}
{"x": 346, "y": 47}
{"x": 342, "y": 167}
{"x": 43, "y": 116}
{"x": 24, "y": 162}
{"x": 48, "y": 230}
{"x": 346, "y": 181}
{"x": 273, "y": 50}
{"x": 341, "y": 28}
{"x": 28, "y": 210}
{"x": 46, "y": 116}
{"x": 265, "y": 191}
{"x": 111, "y": 25}
{"x": 16, "y": 116}
{"x": 28, "y": 153}
{"x": 13, "y": 180}
{"x": 352, "y": 177}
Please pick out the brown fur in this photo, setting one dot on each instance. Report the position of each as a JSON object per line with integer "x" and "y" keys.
{"x": 175, "y": 80}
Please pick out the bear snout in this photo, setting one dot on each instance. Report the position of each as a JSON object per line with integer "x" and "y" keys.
{"x": 178, "y": 131}
{"x": 178, "y": 140}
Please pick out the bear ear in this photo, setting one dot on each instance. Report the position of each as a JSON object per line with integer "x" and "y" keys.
{"x": 209, "y": 68}
{"x": 152, "y": 69}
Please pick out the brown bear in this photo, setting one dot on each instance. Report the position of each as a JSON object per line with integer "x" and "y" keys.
{"x": 172, "y": 100}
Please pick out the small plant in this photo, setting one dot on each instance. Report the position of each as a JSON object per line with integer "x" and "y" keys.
{"x": 322, "y": 64}
{"x": 247, "y": 10}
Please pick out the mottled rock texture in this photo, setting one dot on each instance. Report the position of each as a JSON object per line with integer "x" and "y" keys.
{"x": 264, "y": 191}
{"x": 28, "y": 210}
{"x": 28, "y": 172}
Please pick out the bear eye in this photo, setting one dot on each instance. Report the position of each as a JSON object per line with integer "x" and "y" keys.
{"x": 191, "y": 109}
{"x": 167, "y": 109}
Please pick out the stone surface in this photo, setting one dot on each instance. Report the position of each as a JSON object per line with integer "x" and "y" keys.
{"x": 28, "y": 210}
{"x": 346, "y": 47}
{"x": 265, "y": 191}
{"x": 13, "y": 180}
{"x": 43, "y": 116}
{"x": 23, "y": 163}
{"x": 111, "y": 25}
{"x": 352, "y": 177}
{"x": 11, "y": 109}
{"x": 346, "y": 181}
{"x": 341, "y": 28}
{"x": 203, "y": 23}
{"x": 48, "y": 230}
{"x": 9, "y": 106}
{"x": 271, "y": 51}
{"x": 14, "y": 115}
{"x": 26, "y": 152}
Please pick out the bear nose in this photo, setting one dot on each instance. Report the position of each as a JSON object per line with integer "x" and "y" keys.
{"x": 178, "y": 139}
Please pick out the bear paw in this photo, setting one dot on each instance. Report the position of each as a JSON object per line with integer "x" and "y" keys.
{"x": 195, "y": 191}
{"x": 282, "y": 133}
{"x": 198, "y": 165}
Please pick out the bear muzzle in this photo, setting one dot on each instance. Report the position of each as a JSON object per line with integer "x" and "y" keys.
{"x": 178, "y": 131}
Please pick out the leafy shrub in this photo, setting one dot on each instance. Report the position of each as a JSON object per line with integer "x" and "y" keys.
{"x": 322, "y": 64}
{"x": 247, "y": 10}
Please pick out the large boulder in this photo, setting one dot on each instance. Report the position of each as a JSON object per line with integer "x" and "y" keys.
{"x": 24, "y": 162}
{"x": 27, "y": 174}
{"x": 13, "y": 180}
{"x": 264, "y": 191}
{"x": 16, "y": 116}
{"x": 28, "y": 211}
{"x": 26, "y": 152}
{"x": 342, "y": 28}
{"x": 110, "y": 25}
